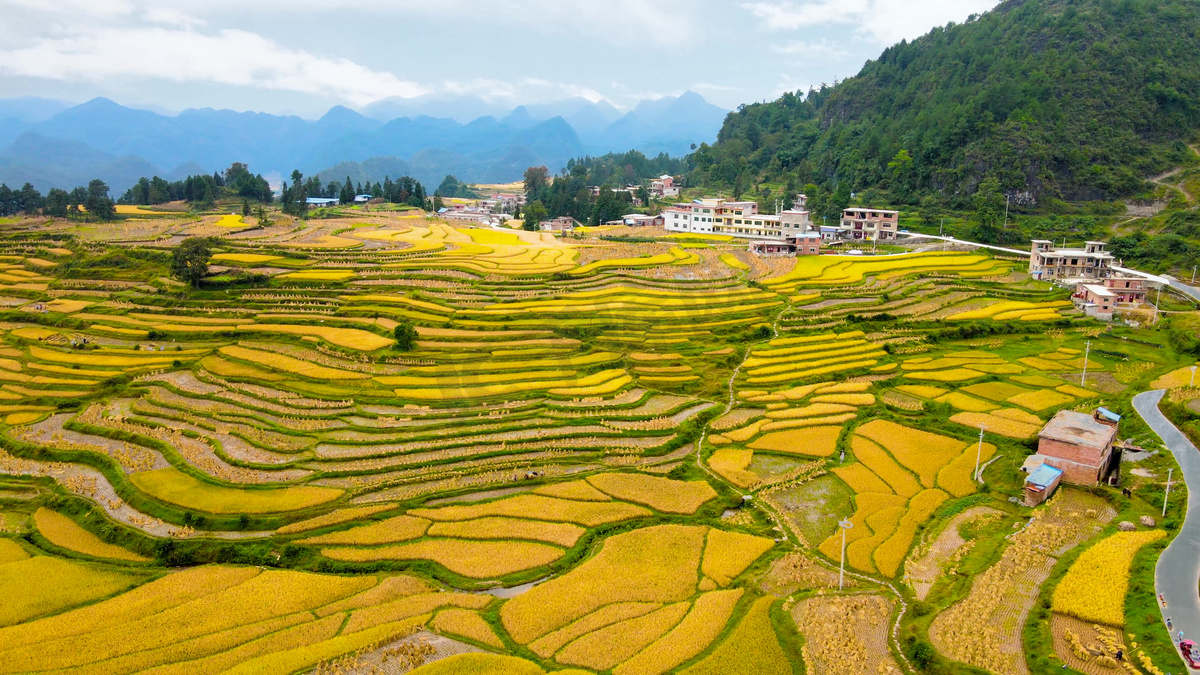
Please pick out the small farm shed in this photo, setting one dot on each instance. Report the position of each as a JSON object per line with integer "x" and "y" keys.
{"x": 1079, "y": 444}
{"x": 1040, "y": 484}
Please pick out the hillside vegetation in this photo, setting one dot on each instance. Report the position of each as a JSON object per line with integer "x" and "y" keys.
{"x": 1059, "y": 99}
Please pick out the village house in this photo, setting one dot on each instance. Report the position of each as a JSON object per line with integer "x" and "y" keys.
{"x": 641, "y": 220}
{"x": 808, "y": 243}
{"x": 1050, "y": 262}
{"x": 1040, "y": 483}
{"x": 664, "y": 187}
{"x": 736, "y": 219}
{"x": 1080, "y": 445}
{"x": 870, "y": 224}
{"x": 561, "y": 224}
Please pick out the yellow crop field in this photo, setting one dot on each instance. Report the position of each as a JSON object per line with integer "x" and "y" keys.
{"x": 350, "y": 338}
{"x": 1010, "y": 309}
{"x": 731, "y": 463}
{"x": 660, "y": 494}
{"x": 891, "y": 553}
{"x": 1040, "y": 399}
{"x": 995, "y": 391}
{"x": 230, "y": 220}
{"x": 175, "y": 487}
{"x": 608, "y": 646}
{"x": 997, "y": 424}
{"x": 1077, "y": 392}
{"x": 468, "y": 624}
{"x": 41, "y": 585}
{"x": 319, "y": 275}
{"x": 19, "y": 418}
{"x": 752, "y": 648}
{"x": 562, "y": 534}
{"x": 865, "y": 505}
{"x": 860, "y": 478}
{"x": 732, "y": 261}
{"x": 955, "y": 477}
{"x": 706, "y": 620}
{"x": 291, "y": 365}
{"x": 537, "y": 507}
{"x": 846, "y": 399}
{"x": 335, "y": 518}
{"x": 547, "y": 645}
{"x": 922, "y": 391}
{"x": 1095, "y": 585}
{"x": 251, "y": 258}
{"x": 960, "y": 401}
{"x": 390, "y": 531}
{"x": 1180, "y": 377}
{"x": 579, "y": 490}
{"x": 409, "y": 606}
{"x": 874, "y": 458}
{"x": 654, "y": 564}
{"x": 728, "y": 554}
{"x": 951, "y": 375}
{"x": 922, "y": 452}
{"x": 812, "y": 441}
{"x": 484, "y": 664}
{"x": 605, "y": 381}
{"x": 474, "y": 559}
{"x": 814, "y": 410}
{"x": 11, "y": 551}
{"x": 62, "y": 531}
{"x": 881, "y": 524}
{"x": 100, "y": 358}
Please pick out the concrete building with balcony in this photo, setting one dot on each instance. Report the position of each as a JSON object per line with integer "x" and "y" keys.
{"x": 736, "y": 219}
{"x": 870, "y": 224}
{"x": 1050, "y": 262}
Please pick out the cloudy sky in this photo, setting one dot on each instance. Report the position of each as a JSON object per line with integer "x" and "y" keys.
{"x": 303, "y": 56}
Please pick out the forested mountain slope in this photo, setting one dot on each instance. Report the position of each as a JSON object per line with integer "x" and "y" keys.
{"x": 1070, "y": 99}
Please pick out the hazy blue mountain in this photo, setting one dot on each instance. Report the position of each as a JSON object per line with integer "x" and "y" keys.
{"x": 48, "y": 163}
{"x": 30, "y": 109}
{"x": 669, "y": 125}
{"x": 459, "y": 108}
{"x": 488, "y": 148}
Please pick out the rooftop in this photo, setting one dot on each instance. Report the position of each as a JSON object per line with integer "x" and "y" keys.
{"x": 1044, "y": 476}
{"x": 1099, "y": 291}
{"x": 1078, "y": 428}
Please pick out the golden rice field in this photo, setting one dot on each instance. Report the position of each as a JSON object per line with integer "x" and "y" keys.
{"x": 593, "y": 455}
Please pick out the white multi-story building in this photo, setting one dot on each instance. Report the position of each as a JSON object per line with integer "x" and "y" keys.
{"x": 737, "y": 219}
{"x": 870, "y": 224}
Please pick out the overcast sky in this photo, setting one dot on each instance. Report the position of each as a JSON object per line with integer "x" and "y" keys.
{"x": 303, "y": 56}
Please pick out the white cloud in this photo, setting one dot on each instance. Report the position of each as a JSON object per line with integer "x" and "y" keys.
{"x": 886, "y": 21}
{"x": 168, "y": 16}
{"x": 817, "y": 49}
{"x": 230, "y": 57}
{"x": 523, "y": 90}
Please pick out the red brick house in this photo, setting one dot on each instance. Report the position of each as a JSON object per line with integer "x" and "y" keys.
{"x": 1080, "y": 445}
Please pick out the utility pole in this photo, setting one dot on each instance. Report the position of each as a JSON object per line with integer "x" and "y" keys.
{"x": 847, "y": 524}
{"x": 1164, "y": 513}
{"x": 1006, "y": 199}
{"x": 978, "y": 452}
{"x": 1156, "y": 299}
{"x": 1194, "y": 268}
{"x": 1086, "y": 353}
{"x": 1193, "y": 382}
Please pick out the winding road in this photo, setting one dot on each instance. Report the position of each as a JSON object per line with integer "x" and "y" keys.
{"x": 1177, "y": 575}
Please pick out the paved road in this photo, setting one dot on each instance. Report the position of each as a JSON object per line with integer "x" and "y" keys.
{"x": 1190, "y": 291}
{"x": 1177, "y": 575}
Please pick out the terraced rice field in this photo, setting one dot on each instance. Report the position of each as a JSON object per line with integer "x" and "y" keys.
{"x": 595, "y": 455}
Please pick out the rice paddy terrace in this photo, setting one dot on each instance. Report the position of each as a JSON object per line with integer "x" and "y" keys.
{"x": 602, "y": 455}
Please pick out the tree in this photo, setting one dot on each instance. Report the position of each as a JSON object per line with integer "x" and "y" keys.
{"x": 535, "y": 213}
{"x": 99, "y": 204}
{"x": 245, "y": 208}
{"x": 438, "y": 204}
{"x": 537, "y": 179}
{"x": 189, "y": 260}
{"x": 406, "y": 336}
{"x": 989, "y": 205}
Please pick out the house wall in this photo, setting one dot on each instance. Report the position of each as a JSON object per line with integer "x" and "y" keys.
{"x": 1082, "y": 465}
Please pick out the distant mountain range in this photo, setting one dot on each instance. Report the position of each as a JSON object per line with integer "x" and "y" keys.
{"x": 52, "y": 144}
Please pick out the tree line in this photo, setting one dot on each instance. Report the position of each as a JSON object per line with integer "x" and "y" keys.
{"x": 405, "y": 190}
{"x": 1053, "y": 100}
{"x": 92, "y": 201}
{"x": 570, "y": 193}
{"x": 234, "y": 182}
